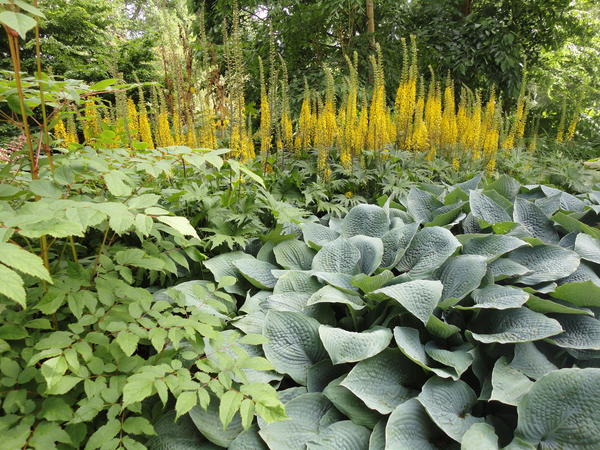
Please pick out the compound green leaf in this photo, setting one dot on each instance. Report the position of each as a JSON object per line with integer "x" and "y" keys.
{"x": 24, "y": 261}
{"x": 12, "y": 285}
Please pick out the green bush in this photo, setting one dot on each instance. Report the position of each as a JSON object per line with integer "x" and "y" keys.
{"x": 462, "y": 315}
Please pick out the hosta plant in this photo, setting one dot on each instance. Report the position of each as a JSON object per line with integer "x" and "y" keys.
{"x": 456, "y": 316}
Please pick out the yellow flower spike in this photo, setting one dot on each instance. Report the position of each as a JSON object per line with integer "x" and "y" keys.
{"x": 132, "y": 119}
{"x": 60, "y": 132}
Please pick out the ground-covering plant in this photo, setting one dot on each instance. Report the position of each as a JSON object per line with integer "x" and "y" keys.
{"x": 92, "y": 345}
{"x": 455, "y": 315}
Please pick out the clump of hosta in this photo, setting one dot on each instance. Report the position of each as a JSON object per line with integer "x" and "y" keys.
{"x": 461, "y": 315}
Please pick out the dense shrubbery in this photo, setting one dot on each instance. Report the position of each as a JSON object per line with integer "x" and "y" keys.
{"x": 424, "y": 323}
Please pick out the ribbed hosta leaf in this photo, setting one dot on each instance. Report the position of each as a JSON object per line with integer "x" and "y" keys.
{"x": 368, "y": 220}
{"x": 458, "y": 358}
{"x": 546, "y": 262}
{"x": 323, "y": 373}
{"x": 294, "y": 343}
{"x": 258, "y": 273}
{"x": 460, "y": 275}
{"x": 371, "y": 252}
{"x": 503, "y": 268}
{"x": 588, "y": 247}
{"x": 428, "y": 250}
{"x": 535, "y": 221}
{"x": 248, "y": 440}
{"x": 343, "y": 435}
{"x": 210, "y": 425}
{"x": 177, "y": 435}
{"x": 506, "y": 186}
{"x": 382, "y": 381}
{"x": 329, "y": 294}
{"x": 449, "y": 403}
{"x": 486, "y": 209}
{"x": 508, "y": 384}
{"x": 492, "y": 246}
{"x": 530, "y": 361}
{"x": 480, "y": 436}
{"x": 562, "y": 410}
{"x": 410, "y": 428}
{"x": 339, "y": 256}
{"x": 305, "y": 413}
{"x": 498, "y": 297}
{"x": 377, "y": 439}
{"x": 409, "y": 343}
{"x": 350, "y": 405}
{"x": 395, "y": 243}
{"x": 316, "y": 235}
{"x": 223, "y": 265}
{"x": 348, "y": 346}
{"x": 294, "y": 255}
{"x": 421, "y": 204}
{"x": 419, "y": 297}
{"x": 513, "y": 325}
{"x": 581, "y": 332}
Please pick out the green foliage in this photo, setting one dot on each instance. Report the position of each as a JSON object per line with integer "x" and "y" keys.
{"x": 413, "y": 327}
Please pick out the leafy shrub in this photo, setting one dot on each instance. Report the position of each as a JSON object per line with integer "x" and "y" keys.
{"x": 91, "y": 348}
{"x": 464, "y": 314}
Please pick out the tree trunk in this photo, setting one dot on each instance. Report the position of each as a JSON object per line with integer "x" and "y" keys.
{"x": 466, "y": 7}
{"x": 371, "y": 22}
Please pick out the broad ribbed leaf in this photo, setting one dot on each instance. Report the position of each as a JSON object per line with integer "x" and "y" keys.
{"x": 419, "y": 297}
{"x": 316, "y": 235}
{"x": 348, "y": 346}
{"x": 530, "y": 361}
{"x": 546, "y": 262}
{"x": 410, "y": 428}
{"x": 339, "y": 256}
{"x": 258, "y": 273}
{"x": 294, "y": 343}
{"x": 449, "y": 404}
{"x": 377, "y": 439}
{"x": 428, "y": 250}
{"x": 486, "y": 209}
{"x": 368, "y": 220}
{"x": 382, "y": 381}
{"x": 210, "y": 425}
{"x": 508, "y": 384}
{"x": 503, "y": 268}
{"x": 562, "y": 410}
{"x": 294, "y": 255}
{"x": 581, "y": 332}
{"x": 248, "y": 440}
{"x": 421, "y": 204}
{"x": 588, "y": 247}
{"x": 458, "y": 358}
{"x": 350, "y": 405}
{"x": 535, "y": 221}
{"x": 395, "y": 243}
{"x": 223, "y": 266}
{"x": 462, "y": 274}
{"x": 371, "y": 252}
{"x": 480, "y": 436}
{"x": 498, "y": 297}
{"x": 492, "y": 246}
{"x": 513, "y": 325}
{"x": 329, "y": 294}
{"x": 343, "y": 435}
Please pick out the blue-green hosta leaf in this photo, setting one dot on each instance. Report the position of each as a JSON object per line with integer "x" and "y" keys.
{"x": 459, "y": 358}
{"x": 258, "y": 273}
{"x": 535, "y": 221}
{"x": 469, "y": 185}
{"x": 338, "y": 256}
{"x": 584, "y": 272}
{"x": 350, "y": 405}
{"x": 460, "y": 275}
{"x": 581, "y": 332}
{"x": 177, "y": 435}
{"x": 294, "y": 255}
{"x": 409, "y": 343}
{"x": 342, "y": 281}
{"x": 508, "y": 384}
{"x": 498, "y": 297}
{"x": 562, "y": 410}
{"x": 292, "y": 291}
{"x": 480, "y": 436}
{"x": 546, "y": 262}
{"x": 223, "y": 266}
{"x": 421, "y": 204}
{"x": 377, "y": 439}
{"x": 449, "y": 403}
{"x": 588, "y": 247}
{"x": 428, "y": 250}
{"x": 252, "y": 323}
{"x": 419, "y": 297}
{"x": 305, "y": 413}
{"x": 513, "y": 325}
{"x": 368, "y": 220}
{"x": 294, "y": 343}
{"x": 492, "y": 246}
{"x": 248, "y": 440}
{"x": 210, "y": 425}
{"x": 371, "y": 252}
{"x": 348, "y": 346}
{"x": 316, "y": 235}
{"x": 530, "y": 361}
{"x": 395, "y": 243}
{"x": 568, "y": 201}
{"x": 382, "y": 382}
{"x": 548, "y": 205}
{"x": 503, "y": 268}
{"x": 323, "y": 373}
{"x": 329, "y": 294}
{"x": 440, "y": 328}
{"x": 487, "y": 210}
{"x": 342, "y": 435}
{"x": 506, "y": 186}
{"x": 410, "y": 428}
{"x": 448, "y": 215}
